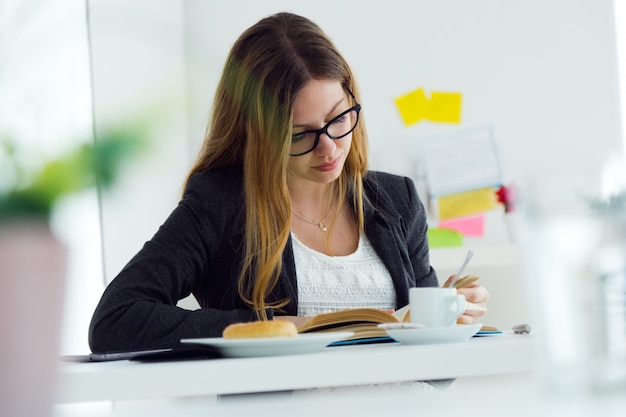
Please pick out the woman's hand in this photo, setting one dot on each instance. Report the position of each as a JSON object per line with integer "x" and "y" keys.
{"x": 476, "y": 294}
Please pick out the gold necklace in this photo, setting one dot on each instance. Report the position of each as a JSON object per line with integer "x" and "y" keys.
{"x": 319, "y": 224}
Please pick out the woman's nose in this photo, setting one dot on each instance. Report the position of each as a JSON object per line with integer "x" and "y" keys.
{"x": 325, "y": 146}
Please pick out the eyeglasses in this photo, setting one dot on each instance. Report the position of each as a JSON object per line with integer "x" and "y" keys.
{"x": 339, "y": 127}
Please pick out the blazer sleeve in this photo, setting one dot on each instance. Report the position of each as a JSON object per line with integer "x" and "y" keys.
{"x": 138, "y": 308}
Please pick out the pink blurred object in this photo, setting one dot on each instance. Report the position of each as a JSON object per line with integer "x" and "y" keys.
{"x": 32, "y": 283}
{"x": 468, "y": 226}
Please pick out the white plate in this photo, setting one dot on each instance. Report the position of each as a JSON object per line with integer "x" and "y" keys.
{"x": 429, "y": 335}
{"x": 272, "y": 346}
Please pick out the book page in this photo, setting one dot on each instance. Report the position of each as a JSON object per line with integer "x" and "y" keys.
{"x": 357, "y": 315}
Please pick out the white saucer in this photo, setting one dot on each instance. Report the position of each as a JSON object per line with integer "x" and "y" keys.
{"x": 272, "y": 346}
{"x": 431, "y": 335}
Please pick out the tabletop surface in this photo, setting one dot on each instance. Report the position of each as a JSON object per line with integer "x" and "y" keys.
{"x": 333, "y": 366}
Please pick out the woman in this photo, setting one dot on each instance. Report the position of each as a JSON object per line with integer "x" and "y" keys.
{"x": 280, "y": 218}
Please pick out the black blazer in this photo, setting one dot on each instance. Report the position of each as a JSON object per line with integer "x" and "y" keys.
{"x": 198, "y": 250}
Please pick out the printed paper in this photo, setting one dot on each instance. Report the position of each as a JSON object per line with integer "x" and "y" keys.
{"x": 461, "y": 161}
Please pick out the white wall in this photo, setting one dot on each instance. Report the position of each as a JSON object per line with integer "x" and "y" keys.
{"x": 139, "y": 77}
{"x": 542, "y": 73}
{"x": 620, "y": 29}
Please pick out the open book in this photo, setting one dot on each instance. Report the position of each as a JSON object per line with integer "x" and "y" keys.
{"x": 364, "y": 321}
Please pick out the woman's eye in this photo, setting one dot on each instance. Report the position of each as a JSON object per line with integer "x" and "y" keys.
{"x": 298, "y": 137}
{"x": 339, "y": 119}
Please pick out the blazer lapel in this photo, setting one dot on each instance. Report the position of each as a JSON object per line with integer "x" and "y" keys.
{"x": 383, "y": 237}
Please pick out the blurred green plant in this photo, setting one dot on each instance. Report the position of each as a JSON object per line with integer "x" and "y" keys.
{"x": 28, "y": 192}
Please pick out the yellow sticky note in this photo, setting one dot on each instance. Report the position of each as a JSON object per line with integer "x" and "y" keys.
{"x": 445, "y": 107}
{"x": 413, "y": 106}
{"x": 466, "y": 203}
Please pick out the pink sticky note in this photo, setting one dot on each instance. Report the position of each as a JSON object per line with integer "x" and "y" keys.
{"x": 468, "y": 226}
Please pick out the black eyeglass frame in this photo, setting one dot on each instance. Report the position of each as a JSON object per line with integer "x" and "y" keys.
{"x": 318, "y": 132}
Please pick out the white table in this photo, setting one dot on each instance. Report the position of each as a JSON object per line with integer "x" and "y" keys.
{"x": 332, "y": 367}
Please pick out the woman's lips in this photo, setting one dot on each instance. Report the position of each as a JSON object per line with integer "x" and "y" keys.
{"x": 328, "y": 166}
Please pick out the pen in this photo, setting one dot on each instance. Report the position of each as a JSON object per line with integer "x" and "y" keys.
{"x": 469, "y": 255}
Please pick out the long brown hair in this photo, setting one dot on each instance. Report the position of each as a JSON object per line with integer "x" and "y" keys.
{"x": 251, "y": 126}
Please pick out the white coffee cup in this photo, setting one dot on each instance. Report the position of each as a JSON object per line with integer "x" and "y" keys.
{"x": 435, "y": 307}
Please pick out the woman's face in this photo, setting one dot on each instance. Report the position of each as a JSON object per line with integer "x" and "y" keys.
{"x": 319, "y": 102}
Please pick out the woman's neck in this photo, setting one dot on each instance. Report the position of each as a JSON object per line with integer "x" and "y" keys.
{"x": 313, "y": 201}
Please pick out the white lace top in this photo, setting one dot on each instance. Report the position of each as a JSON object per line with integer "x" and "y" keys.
{"x": 331, "y": 283}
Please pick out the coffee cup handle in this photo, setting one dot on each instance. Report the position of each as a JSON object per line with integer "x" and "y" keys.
{"x": 461, "y": 302}
{"x": 457, "y": 307}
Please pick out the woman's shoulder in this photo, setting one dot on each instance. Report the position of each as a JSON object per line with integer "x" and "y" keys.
{"x": 222, "y": 178}
{"x": 386, "y": 181}
{"x": 223, "y": 184}
{"x": 390, "y": 192}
